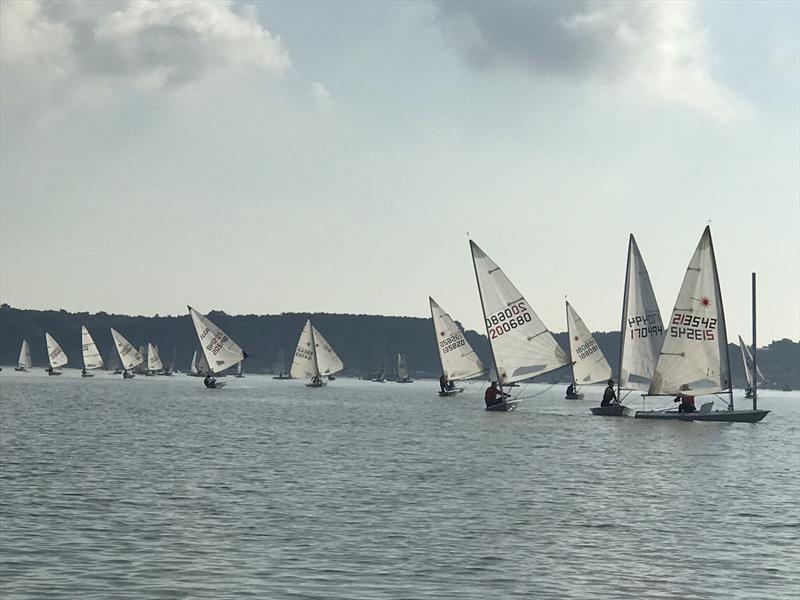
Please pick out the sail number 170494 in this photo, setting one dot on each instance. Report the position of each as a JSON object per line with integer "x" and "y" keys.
{"x": 511, "y": 317}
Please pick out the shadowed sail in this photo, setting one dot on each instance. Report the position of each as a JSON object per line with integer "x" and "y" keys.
{"x": 521, "y": 344}
{"x": 747, "y": 359}
{"x": 128, "y": 355}
{"x": 91, "y": 355}
{"x": 458, "y": 359}
{"x": 55, "y": 354}
{"x": 589, "y": 365}
{"x": 153, "y": 359}
{"x": 219, "y": 350}
{"x": 694, "y": 358}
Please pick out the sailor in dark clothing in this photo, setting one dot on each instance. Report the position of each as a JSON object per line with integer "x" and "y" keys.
{"x": 209, "y": 381}
{"x": 609, "y": 396}
{"x": 443, "y": 383}
{"x": 686, "y": 403}
{"x": 571, "y": 389}
{"x": 494, "y": 395}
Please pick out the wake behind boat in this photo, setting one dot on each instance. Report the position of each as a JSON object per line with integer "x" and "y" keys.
{"x": 694, "y": 360}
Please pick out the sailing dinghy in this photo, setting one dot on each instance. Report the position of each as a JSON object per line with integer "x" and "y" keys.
{"x": 154, "y": 363}
{"x": 314, "y": 357}
{"x": 522, "y": 346}
{"x": 91, "y": 355}
{"x": 402, "y": 370}
{"x": 55, "y": 354}
{"x": 589, "y": 364}
{"x": 219, "y": 350}
{"x": 129, "y": 356}
{"x": 456, "y": 356}
{"x": 24, "y": 363}
{"x": 694, "y": 360}
{"x": 641, "y": 334}
{"x": 751, "y": 371}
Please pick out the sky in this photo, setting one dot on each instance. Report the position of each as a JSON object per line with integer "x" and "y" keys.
{"x": 337, "y": 156}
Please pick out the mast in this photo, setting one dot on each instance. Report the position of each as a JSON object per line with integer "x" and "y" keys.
{"x": 755, "y": 363}
{"x": 483, "y": 311}
{"x": 622, "y": 318}
{"x": 314, "y": 348}
{"x": 724, "y": 326}
{"x": 569, "y": 343}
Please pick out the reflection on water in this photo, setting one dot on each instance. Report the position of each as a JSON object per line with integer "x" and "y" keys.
{"x": 159, "y": 488}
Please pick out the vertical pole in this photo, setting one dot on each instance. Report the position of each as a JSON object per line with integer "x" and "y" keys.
{"x": 755, "y": 360}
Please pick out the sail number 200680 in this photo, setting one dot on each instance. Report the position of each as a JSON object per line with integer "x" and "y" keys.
{"x": 507, "y": 319}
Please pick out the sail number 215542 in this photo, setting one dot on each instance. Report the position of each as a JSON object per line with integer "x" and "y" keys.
{"x": 511, "y": 317}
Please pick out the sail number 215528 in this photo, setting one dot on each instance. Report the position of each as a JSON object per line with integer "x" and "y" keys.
{"x": 511, "y": 317}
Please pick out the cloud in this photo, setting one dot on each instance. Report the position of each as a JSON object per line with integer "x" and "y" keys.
{"x": 69, "y": 46}
{"x": 653, "y": 47}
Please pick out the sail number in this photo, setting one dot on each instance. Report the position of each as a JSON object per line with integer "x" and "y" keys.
{"x": 304, "y": 353}
{"x": 217, "y": 341}
{"x": 586, "y": 349}
{"x": 692, "y": 327}
{"x": 451, "y": 343}
{"x": 642, "y": 326}
{"x": 507, "y": 319}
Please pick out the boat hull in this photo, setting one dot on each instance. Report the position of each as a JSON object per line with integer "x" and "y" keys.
{"x": 615, "y": 410}
{"x": 87, "y": 374}
{"x": 723, "y": 416}
{"x": 503, "y": 406}
{"x": 449, "y": 393}
{"x": 573, "y": 397}
{"x": 316, "y": 385}
{"x": 20, "y": 369}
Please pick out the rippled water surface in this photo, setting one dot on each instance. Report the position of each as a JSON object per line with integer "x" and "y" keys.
{"x": 159, "y": 488}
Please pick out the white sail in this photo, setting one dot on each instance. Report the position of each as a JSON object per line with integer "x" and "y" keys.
{"x": 220, "y": 351}
{"x": 304, "y": 364}
{"x": 25, "y": 356}
{"x": 747, "y": 359}
{"x": 153, "y": 359}
{"x": 328, "y": 362}
{"x": 202, "y": 364}
{"x": 694, "y": 359}
{"x": 589, "y": 364}
{"x": 91, "y": 355}
{"x": 54, "y": 352}
{"x": 642, "y": 331}
{"x": 458, "y": 359}
{"x": 128, "y": 355}
{"x": 193, "y": 366}
{"x": 521, "y": 344}
{"x": 402, "y": 367}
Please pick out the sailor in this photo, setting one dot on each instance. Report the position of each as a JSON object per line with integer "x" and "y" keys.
{"x": 571, "y": 389}
{"x": 686, "y": 403}
{"x": 443, "y": 383}
{"x": 494, "y": 395}
{"x": 316, "y": 380}
{"x": 83, "y": 371}
{"x": 609, "y": 396}
{"x": 209, "y": 381}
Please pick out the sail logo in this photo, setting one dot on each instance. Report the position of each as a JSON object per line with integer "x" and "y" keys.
{"x": 693, "y": 327}
{"x": 507, "y": 319}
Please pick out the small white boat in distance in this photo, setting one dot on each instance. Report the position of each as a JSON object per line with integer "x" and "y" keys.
{"x": 219, "y": 350}
{"x": 456, "y": 357}
{"x": 314, "y": 357}
{"x": 24, "y": 363}
{"x": 55, "y": 354}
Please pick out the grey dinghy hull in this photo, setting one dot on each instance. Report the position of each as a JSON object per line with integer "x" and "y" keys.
{"x": 728, "y": 416}
{"x": 573, "y": 397}
{"x": 615, "y": 410}
{"x": 503, "y": 406}
{"x": 449, "y": 393}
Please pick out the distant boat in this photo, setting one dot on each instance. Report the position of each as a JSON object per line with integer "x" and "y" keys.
{"x": 219, "y": 350}
{"x": 55, "y": 355}
{"x": 314, "y": 357}
{"x": 694, "y": 360}
{"x": 522, "y": 346}
{"x": 91, "y": 355}
{"x": 786, "y": 387}
{"x": 589, "y": 364}
{"x": 193, "y": 371}
{"x": 24, "y": 363}
{"x": 747, "y": 361}
{"x": 129, "y": 357}
{"x": 402, "y": 370}
{"x": 456, "y": 357}
{"x": 141, "y": 368}
{"x": 239, "y": 371}
{"x": 279, "y": 365}
{"x": 154, "y": 364}
{"x": 641, "y": 334}
{"x": 168, "y": 372}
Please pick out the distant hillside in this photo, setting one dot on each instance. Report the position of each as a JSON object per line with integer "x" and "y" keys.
{"x": 362, "y": 341}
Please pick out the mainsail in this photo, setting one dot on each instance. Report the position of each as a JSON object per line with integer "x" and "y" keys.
{"x": 220, "y": 351}
{"x": 128, "y": 355}
{"x": 458, "y": 359}
{"x": 694, "y": 359}
{"x": 202, "y": 364}
{"x": 747, "y": 359}
{"x": 589, "y": 365}
{"x": 521, "y": 344}
{"x": 25, "y": 356}
{"x": 313, "y": 356}
{"x": 193, "y": 366}
{"x": 153, "y": 359}
{"x": 54, "y": 352}
{"x": 91, "y": 355}
{"x": 402, "y": 367}
{"x": 642, "y": 332}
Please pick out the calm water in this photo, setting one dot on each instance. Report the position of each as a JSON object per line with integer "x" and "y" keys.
{"x": 159, "y": 488}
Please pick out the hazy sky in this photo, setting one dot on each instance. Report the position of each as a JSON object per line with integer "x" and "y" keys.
{"x": 328, "y": 156}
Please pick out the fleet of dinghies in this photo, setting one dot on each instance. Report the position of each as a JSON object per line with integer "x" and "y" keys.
{"x": 685, "y": 358}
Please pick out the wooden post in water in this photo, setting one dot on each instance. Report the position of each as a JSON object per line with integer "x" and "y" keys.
{"x": 755, "y": 352}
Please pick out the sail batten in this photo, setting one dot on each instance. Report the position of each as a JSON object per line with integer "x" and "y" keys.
{"x": 219, "y": 350}
{"x": 458, "y": 359}
{"x": 91, "y": 355}
{"x": 521, "y": 344}
{"x": 694, "y": 358}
